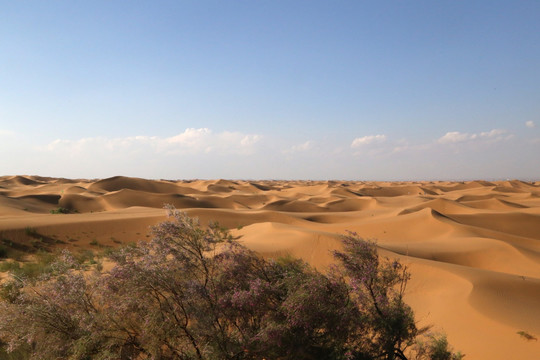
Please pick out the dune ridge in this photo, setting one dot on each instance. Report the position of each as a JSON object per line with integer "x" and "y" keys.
{"x": 473, "y": 247}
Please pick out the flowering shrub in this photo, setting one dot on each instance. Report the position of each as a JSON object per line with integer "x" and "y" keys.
{"x": 196, "y": 293}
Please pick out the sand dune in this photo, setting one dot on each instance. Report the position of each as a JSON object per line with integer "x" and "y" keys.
{"x": 493, "y": 204}
{"x": 442, "y": 206}
{"x": 11, "y": 181}
{"x": 473, "y": 247}
{"x": 121, "y": 183}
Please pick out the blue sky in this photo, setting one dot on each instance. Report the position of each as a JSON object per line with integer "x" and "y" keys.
{"x": 374, "y": 90}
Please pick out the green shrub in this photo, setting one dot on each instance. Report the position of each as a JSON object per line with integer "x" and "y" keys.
{"x": 85, "y": 256}
{"x": 37, "y": 243}
{"x": 30, "y": 231}
{"x": 60, "y": 210}
{"x": 527, "y": 336}
{"x": 9, "y": 266}
{"x": 435, "y": 347}
{"x": 30, "y": 269}
{"x": 108, "y": 251}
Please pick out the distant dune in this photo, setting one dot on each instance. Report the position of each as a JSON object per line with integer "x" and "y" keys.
{"x": 473, "y": 247}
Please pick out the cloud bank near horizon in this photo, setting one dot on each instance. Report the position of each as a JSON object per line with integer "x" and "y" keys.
{"x": 204, "y": 153}
{"x": 190, "y": 142}
{"x": 494, "y": 135}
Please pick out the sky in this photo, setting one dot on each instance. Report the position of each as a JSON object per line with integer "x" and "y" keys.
{"x": 351, "y": 90}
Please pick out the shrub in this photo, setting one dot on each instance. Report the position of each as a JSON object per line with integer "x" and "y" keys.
{"x": 43, "y": 264}
{"x": 194, "y": 293}
{"x": 9, "y": 266}
{"x": 436, "y": 347}
{"x": 30, "y": 231}
{"x": 7, "y": 250}
{"x": 378, "y": 286}
{"x": 33, "y": 269}
{"x": 526, "y": 335}
{"x": 60, "y": 210}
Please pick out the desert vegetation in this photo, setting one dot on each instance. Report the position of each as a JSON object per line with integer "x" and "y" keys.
{"x": 61, "y": 210}
{"x": 198, "y": 293}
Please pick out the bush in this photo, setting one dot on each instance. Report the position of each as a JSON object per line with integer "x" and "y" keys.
{"x": 30, "y": 231}
{"x": 526, "y": 335}
{"x": 378, "y": 287}
{"x": 61, "y": 210}
{"x": 194, "y": 293}
{"x": 436, "y": 347}
{"x": 32, "y": 269}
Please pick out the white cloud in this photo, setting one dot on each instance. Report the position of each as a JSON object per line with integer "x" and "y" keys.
{"x": 366, "y": 140}
{"x": 530, "y": 124}
{"x": 249, "y": 140}
{"x": 493, "y": 133}
{"x": 308, "y": 145}
{"x": 191, "y": 141}
{"x": 454, "y": 137}
{"x": 192, "y": 138}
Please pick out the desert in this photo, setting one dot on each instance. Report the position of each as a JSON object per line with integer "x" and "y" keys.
{"x": 472, "y": 247}
{"x": 372, "y": 168}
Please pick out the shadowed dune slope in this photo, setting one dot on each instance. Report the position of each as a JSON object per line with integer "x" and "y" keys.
{"x": 473, "y": 247}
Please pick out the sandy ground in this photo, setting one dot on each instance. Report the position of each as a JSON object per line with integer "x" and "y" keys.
{"x": 473, "y": 248}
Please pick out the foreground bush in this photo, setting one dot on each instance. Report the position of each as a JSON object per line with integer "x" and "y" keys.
{"x": 194, "y": 293}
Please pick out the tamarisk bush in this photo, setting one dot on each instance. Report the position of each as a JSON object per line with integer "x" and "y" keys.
{"x": 197, "y": 293}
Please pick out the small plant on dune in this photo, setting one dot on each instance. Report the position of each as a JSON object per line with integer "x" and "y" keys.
{"x": 60, "y": 210}
{"x": 85, "y": 256}
{"x": 527, "y": 336}
{"x": 30, "y": 231}
{"x": 31, "y": 270}
{"x": 196, "y": 293}
{"x": 9, "y": 266}
{"x": 37, "y": 243}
